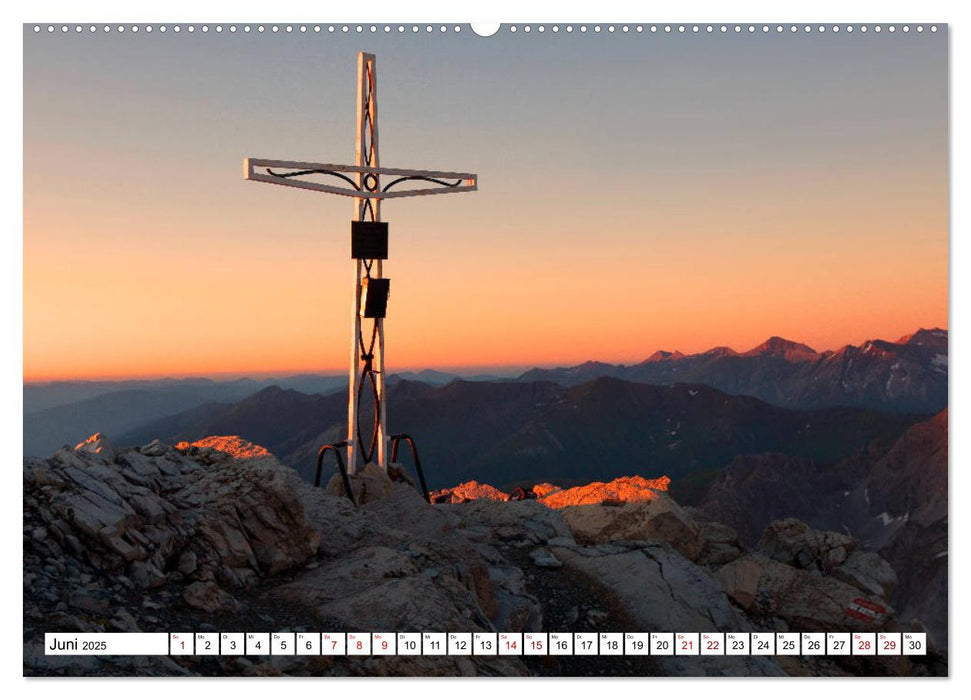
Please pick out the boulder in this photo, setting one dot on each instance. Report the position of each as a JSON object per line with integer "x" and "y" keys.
{"x": 658, "y": 519}
{"x": 793, "y": 542}
{"x": 145, "y": 575}
{"x": 154, "y": 449}
{"x": 368, "y": 485}
{"x": 513, "y": 521}
{"x": 719, "y": 544}
{"x": 741, "y": 580}
{"x": 469, "y": 491}
{"x": 869, "y": 572}
{"x": 804, "y": 599}
{"x": 661, "y": 590}
{"x": 98, "y": 445}
{"x": 404, "y": 509}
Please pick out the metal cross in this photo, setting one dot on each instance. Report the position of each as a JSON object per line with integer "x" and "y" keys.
{"x": 369, "y": 185}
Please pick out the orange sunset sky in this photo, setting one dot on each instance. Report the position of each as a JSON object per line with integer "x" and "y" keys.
{"x": 637, "y": 193}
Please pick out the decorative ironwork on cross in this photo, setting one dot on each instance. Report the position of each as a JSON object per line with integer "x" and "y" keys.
{"x": 369, "y": 185}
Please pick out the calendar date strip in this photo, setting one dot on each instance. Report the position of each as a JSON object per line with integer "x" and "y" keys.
{"x": 486, "y": 644}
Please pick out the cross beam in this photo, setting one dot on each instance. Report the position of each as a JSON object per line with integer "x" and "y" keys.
{"x": 369, "y": 185}
{"x": 295, "y": 174}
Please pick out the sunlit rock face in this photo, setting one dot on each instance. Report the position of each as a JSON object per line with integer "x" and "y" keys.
{"x": 98, "y": 445}
{"x": 544, "y": 489}
{"x": 230, "y": 444}
{"x": 626, "y": 489}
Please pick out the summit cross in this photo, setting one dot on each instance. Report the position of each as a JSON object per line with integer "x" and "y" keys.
{"x": 368, "y": 184}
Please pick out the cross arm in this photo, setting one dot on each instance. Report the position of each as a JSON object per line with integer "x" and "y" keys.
{"x": 375, "y": 183}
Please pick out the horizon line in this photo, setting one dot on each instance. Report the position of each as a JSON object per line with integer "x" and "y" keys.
{"x": 264, "y": 374}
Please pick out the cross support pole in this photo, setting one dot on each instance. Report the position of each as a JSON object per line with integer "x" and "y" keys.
{"x": 369, "y": 185}
{"x": 366, "y": 156}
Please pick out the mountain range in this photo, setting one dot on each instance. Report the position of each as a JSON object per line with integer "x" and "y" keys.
{"x": 905, "y": 376}
{"x": 503, "y": 432}
{"x": 56, "y": 413}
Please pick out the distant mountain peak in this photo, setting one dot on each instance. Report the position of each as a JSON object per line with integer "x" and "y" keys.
{"x": 720, "y": 351}
{"x": 925, "y": 336}
{"x": 663, "y": 355}
{"x": 591, "y": 364}
{"x": 784, "y": 349}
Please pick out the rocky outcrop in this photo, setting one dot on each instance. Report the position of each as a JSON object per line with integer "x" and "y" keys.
{"x": 661, "y": 590}
{"x": 148, "y": 515}
{"x": 813, "y": 580}
{"x": 891, "y": 498}
{"x": 659, "y": 520}
{"x": 767, "y": 589}
{"x": 201, "y": 538}
{"x": 369, "y": 484}
{"x": 793, "y": 542}
{"x": 158, "y": 538}
{"x": 544, "y": 489}
{"x": 625, "y": 489}
{"x": 649, "y": 585}
{"x": 469, "y": 491}
{"x": 230, "y": 444}
{"x": 869, "y": 572}
{"x": 665, "y": 570}
{"x": 397, "y": 550}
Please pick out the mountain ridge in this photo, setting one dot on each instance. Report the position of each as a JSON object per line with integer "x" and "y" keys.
{"x": 909, "y": 375}
{"x": 906, "y": 376}
{"x": 504, "y": 432}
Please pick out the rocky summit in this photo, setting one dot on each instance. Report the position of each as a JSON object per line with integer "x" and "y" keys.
{"x": 218, "y": 535}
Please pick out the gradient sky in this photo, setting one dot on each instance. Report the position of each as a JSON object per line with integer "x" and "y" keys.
{"x": 637, "y": 192}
